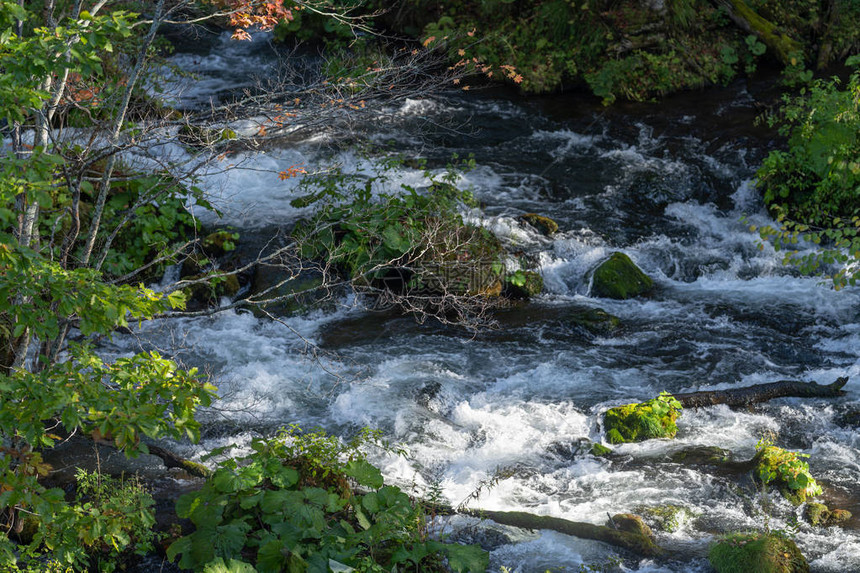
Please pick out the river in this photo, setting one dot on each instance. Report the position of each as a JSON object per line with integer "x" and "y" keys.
{"x": 665, "y": 183}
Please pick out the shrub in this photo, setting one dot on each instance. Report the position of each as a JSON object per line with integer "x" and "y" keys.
{"x": 294, "y": 504}
{"x": 786, "y": 470}
{"x": 813, "y": 186}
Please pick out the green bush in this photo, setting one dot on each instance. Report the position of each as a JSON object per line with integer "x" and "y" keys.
{"x": 415, "y": 241}
{"x": 787, "y": 471}
{"x": 813, "y": 186}
{"x": 309, "y": 503}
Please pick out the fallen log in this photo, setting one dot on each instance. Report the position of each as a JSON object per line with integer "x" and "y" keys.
{"x": 780, "y": 44}
{"x": 634, "y": 542}
{"x": 738, "y": 397}
{"x": 172, "y": 460}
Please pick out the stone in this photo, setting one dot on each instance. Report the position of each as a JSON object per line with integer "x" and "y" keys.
{"x": 668, "y": 518}
{"x": 702, "y": 456}
{"x": 619, "y": 278}
{"x": 630, "y": 523}
{"x": 757, "y": 552}
{"x": 544, "y": 225}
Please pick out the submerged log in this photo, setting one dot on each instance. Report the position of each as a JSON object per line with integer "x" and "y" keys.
{"x": 737, "y": 397}
{"x": 634, "y": 542}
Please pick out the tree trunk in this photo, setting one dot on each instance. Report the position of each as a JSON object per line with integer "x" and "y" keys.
{"x": 745, "y": 18}
{"x": 748, "y": 395}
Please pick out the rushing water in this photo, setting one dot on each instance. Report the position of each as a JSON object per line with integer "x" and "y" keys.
{"x": 667, "y": 184}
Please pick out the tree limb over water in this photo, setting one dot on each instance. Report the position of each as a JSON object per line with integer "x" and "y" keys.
{"x": 736, "y": 397}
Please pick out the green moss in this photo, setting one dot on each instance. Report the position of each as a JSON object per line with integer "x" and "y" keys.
{"x": 210, "y": 293}
{"x": 839, "y": 516}
{"x": 599, "y": 450}
{"x": 647, "y": 420}
{"x": 818, "y": 514}
{"x": 787, "y": 471}
{"x": 631, "y": 524}
{"x": 543, "y": 224}
{"x": 615, "y": 437}
{"x": 758, "y": 553}
{"x": 219, "y": 243}
{"x": 702, "y": 455}
{"x": 619, "y": 278}
{"x": 668, "y": 518}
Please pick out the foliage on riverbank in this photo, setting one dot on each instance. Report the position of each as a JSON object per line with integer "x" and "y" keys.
{"x": 813, "y": 186}
{"x": 631, "y": 50}
{"x": 306, "y": 502}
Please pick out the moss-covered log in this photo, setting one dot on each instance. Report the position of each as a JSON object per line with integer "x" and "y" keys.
{"x": 781, "y": 45}
{"x": 748, "y": 395}
{"x": 172, "y": 460}
{"x": 636, "y": 543}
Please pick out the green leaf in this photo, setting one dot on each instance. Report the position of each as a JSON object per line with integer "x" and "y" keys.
{"x": 467, "y": 558}
{"x": 364, "y": 473}
{"x": 370, "y": 502}
{"x": 272, "y": 557}
{"x": 230, "y": 566}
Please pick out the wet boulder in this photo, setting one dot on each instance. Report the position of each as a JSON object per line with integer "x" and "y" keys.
{"x": 593, "y": 320}
{"x": 522, "y": 285}
{"x": 702, "y": 456}
{"x": 759, "y": 552}
{"x": 543, "y": 225}
{"x": 668, "y": 518}
{"x": 630, "y": 523}
{"x": 644, "y": 421}
{"x": 619, "y": 278}
{"x": 819, "y": 515}
{"x": 208, "y": 289}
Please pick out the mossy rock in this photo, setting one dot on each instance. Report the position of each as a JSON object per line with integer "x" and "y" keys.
{"x": 702, "y": 456}
{"x": 523, "y": 285}
{"x": 294, "y": 296}
{"x": 630, "y": 523}
{"x": 619, "y": 278}
{"x": 219, "y": 243}
{"x": 208, "y": 294}
{"x": 199, "y": 136}
{"x": 647, "y": 420}
{"x": 599, "y": 450}
{"x": 544, "y": 225}
{"x": 757, "y": 553}
{"x": 467, "y": 260}
{"x": 819, "y": 515}
{"x": 594, "y": 320}
{"x": 668, "y": 518}
{"x": 788, "y": 472}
